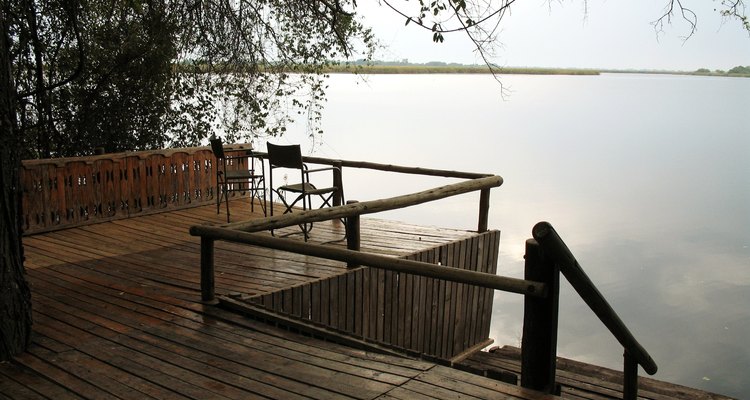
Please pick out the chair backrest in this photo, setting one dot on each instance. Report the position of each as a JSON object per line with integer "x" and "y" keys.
{"x": 284, "y": 156}
{"x": 217, "y": 147}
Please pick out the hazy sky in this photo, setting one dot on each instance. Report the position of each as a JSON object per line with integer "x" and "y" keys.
{"x": 544, "y": 33}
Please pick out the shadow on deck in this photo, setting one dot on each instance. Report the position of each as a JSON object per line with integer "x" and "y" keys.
{"x": 117, "y": 314}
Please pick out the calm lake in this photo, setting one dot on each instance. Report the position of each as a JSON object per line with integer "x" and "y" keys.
{"x": 646, "y": 178}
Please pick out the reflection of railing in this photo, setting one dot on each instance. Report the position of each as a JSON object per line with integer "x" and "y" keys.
{"x": 66, "y": 192}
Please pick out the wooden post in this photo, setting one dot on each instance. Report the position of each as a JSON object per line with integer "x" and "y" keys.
{"x": 484, "y": 210}
{"x": 539, "y": 343}
{"x": 352, "y": 234}
{"x": 338, "y": 197}
{"x": 207, "y": 270}
{"x": 630, "y": 379}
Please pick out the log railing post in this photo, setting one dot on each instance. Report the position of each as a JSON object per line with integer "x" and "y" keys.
{"x": 630, "y": 378}
{"x": 338, "y": 181}
{"x": 208, "y": 292}
{"x": 484, "y": 210}
{"x": 539, "y": 342}
{"x": 352, "y": 233}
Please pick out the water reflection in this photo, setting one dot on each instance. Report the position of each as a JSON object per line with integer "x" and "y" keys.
{"x": 647, "y": 178}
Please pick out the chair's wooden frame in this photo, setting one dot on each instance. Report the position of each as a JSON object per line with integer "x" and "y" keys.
{"x": 238, "y": 179}
{"x": 290, "y": 157}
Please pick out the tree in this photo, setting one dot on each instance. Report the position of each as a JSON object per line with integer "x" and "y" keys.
{"x": 151, "y": 74}
{"x": 480, "y": 20}
{"x": 15, "y": 298}
{"x": 142, "y": 74}
{"x": 739, "y": 70}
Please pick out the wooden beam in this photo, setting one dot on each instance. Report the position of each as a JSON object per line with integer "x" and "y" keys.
{"x": 367, "y": 207}
{"x": 507, "y": 284}
{"x": 393, "y": 168}
{"x": 539, "y": 342}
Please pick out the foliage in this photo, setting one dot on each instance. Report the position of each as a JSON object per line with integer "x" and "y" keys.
{"x": 443, "y": 68}
{"x": 265, "y": 63}
{"x": 140, "y": 74}
{"x": 91, "y": 74}
{"x": 739, "y": 70}
{"x": 735, "y": 9}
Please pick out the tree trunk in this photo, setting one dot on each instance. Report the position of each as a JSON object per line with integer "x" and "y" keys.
{"x": 15, "y": 297}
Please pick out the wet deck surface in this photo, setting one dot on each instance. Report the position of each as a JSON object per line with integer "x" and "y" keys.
{"x": 117, "y": 315}
{"x": 579, "y": 380}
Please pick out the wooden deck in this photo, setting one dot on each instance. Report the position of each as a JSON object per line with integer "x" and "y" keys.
{"x": 117, "y": 314}
{"x": 579, "y": 380}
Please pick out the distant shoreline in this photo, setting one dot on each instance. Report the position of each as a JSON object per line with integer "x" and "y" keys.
{"x": 453, "y": 69}
{"x": 482, "y": 69}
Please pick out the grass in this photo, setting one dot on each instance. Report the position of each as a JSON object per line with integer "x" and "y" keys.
{"x": 453, "y": 69}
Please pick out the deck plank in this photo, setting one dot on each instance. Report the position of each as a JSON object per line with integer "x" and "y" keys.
{"x": 585, "y": 381}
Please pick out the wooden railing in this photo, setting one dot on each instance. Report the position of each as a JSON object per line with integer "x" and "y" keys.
{"x": 66, "y": 192}
{"x": 433, "y": 283}
{"x": 546, "y": 257}
{"x": 60, "y": 193}
{"x": 484, "y": 196}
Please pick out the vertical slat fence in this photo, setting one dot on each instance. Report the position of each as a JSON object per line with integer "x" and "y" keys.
{"x": 425, "y": 315}
{"x": 62, "y": 193}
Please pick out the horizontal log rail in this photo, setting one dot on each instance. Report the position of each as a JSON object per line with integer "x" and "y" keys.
{"x": 484, "y": 197}
{"x": 484, "y": 280}
{"x": 62, "y": 161}
{"x": 390, "y": 167}
{"x": 366, "y": 207}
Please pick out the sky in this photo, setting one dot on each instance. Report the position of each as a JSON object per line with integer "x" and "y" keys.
{"x": 561, "y": 33}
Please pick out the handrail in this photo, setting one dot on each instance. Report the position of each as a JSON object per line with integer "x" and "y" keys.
{"x": 484, "y": 195}
{"x": 351, "y": 211}
{"x": 142, "y": 154}
{"x": 391, "y": 168}
{"x": 481, "y": 279}
{"x": 366, "y": 207}
{"x": 554, "y": 247}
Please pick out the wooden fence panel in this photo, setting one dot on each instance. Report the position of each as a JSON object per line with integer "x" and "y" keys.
{"x": 430, "y": 316}
{"x": 62, "y": 193}
{"x": 105, "y": 189}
